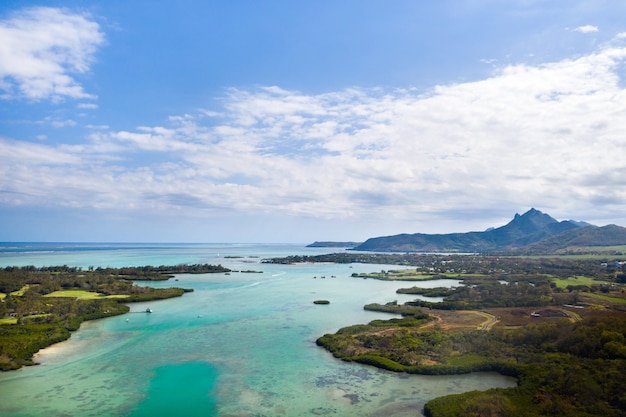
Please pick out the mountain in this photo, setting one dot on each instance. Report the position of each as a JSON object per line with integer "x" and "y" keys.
{"x": 530, "y": 228}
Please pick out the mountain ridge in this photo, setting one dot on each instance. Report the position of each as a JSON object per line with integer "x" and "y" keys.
{"x": 532, "y": 231}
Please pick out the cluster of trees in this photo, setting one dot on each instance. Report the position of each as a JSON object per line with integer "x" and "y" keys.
{"x": 427, "y": 292}
{"x": 480, "y": 292}
{"x": 565, "y": 369}
{"x": 162, "y": 272}
{"x": 467, "y": 264}
{"x": 404, "y": 310}
{"x": 500, "y": 291}
{"x": 105, "y": 280}
{"x": 43, "y": 322}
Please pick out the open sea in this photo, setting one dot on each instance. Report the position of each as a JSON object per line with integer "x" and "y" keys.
{"x": 239, "y": 345}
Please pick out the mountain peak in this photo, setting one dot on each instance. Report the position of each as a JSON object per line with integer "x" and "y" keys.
{"x": 529, "y": 213}
{"x": 532, "y": 217}
{"x": 534, "y": 212}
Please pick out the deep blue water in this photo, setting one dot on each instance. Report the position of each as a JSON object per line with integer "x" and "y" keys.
{"x": 180, "y": 390}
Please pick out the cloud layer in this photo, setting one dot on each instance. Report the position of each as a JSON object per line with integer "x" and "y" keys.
{"x": 548, "y": 136}
{"x": 42, "y": 50}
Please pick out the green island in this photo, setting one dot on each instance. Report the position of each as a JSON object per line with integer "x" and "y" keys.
{"x": 42, "y": 306}
{"x": 557, "y": 324}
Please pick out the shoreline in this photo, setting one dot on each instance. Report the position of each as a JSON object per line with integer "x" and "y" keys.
{"x": 50, "y": 352}
{"x": 15, "y": 363}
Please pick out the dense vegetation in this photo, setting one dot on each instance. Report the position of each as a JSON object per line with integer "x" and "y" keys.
{"x": 564, "y": 369}
{"x": 454, "y": 265}
{"x": 44, "y": 305}
{"x": 503, "y": 291}
{"x": 13, "y": 278}
{"x": 565, "y": 342}
{"x": 42, "y": 324}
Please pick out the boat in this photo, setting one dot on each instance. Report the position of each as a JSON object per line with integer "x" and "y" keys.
{"x": 148, "y": 310}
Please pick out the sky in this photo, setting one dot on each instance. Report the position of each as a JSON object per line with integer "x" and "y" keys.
{"x": 282, "y": 121}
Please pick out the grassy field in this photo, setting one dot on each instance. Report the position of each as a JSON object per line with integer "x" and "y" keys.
{"x": 578, "y": 280}
{"x": 462, "y": 320}
{"x": 17, "y": 293}
{"x": 412, "y": 275}
{"x": 585, "y": 253}
{"x": 606, "y": 298}
{"x": 83, "y": 295}
{"x": 597, "y": 249}
{"x": 8, "y": 320}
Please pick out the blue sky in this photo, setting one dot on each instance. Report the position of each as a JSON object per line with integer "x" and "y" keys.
{"x": 277, "y": 121}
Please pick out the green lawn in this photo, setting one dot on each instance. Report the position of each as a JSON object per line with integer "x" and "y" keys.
{"x": 606, "y": 298}
{"x": 8, "y": 320}
{"x": 84, "y": 295}
{"x": 581, "y": 280}
{"x": 17, "y": 293}
{"x": 578, "y": 280}
{"x": 20, "y": 292}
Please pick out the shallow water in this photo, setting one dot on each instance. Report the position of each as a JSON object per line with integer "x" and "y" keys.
{"x": 240, "y": 345}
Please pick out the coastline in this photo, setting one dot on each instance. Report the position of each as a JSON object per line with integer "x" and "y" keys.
{"x": 64, "y": 331}
{"x": 269, "y": 321}
{"x": 49, "y": 353}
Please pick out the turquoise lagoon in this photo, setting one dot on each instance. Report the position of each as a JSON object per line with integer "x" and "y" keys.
{"x": 240, "y": 345}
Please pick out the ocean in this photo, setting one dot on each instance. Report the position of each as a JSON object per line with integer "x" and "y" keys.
{"x": 241, "y": 344}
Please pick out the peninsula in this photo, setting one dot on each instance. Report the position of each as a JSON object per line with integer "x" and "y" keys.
{"x": 42, "y": 306}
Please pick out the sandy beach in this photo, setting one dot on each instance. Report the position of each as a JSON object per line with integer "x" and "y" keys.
{"x": 52, "y": 352}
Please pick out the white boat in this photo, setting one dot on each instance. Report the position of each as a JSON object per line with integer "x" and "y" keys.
{"x": 148, "y": 310}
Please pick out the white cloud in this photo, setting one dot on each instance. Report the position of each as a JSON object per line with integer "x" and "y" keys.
{"x": 97, "y": 127}
{"x": 42, "y": 49}
{"x": 61, "y": 123}
{"x": 587, "y": 29}
{"x": 547, "y": 136}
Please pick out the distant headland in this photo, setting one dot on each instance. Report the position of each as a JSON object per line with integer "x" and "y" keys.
{"x": 531, "y": 233}
{"x": 333, "y": 244}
